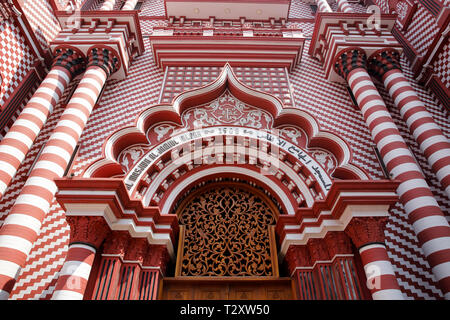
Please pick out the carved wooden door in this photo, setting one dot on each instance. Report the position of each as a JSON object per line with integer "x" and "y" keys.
{"x": 227, "y": 247}
{"x": 227, "y": 231}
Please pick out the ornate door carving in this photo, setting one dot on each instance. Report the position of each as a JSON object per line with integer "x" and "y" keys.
{"x": 227, "y": 231}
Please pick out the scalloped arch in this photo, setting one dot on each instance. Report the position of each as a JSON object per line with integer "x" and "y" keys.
{"x": 125, "y": 137}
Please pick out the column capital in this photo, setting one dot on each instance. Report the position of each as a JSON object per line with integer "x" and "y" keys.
{"x": 366, "y": 230}
{"x": 136, "y": 250}
{"x": 116, "y": 243}
{"x": 297, "y": 256}
{"x": 318, "y": 250}
{"x": 70, "y": 59}
{"x": 382, "y": 61}
{"x": 157, "y": 256}
{"x": 348, "y": 60}
{"x": 338, "y": 243}
{"x": 88, "y": 230}
{"x": 104, "y": 58}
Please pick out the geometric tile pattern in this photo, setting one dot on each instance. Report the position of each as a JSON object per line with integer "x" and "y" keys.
{"x": 19, "y": 109}
{"x": 153, "y": 8}
{"x": 15, "y": 59}
{"x": 441, "y": 66}
{"x": 300, "y": 10}
{"x": 148, "y": 25}
{"x": 422, "y": 30}
{"x": 270, "y": 80}
{"x": 42, "y": 20}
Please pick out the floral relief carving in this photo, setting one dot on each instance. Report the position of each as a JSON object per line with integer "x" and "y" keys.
{"x": 227, "y": 110}
{"x": 294, "y": 134}
{"x": 297, "y": 256}
{"x": 90, "y": 230}
{"x": 327, "y": 161}
{"x": 136, "y": 249}
{"x": 130, "y": 156}
{"x": 364, "y": 230}
{"x": 116, "y": 243}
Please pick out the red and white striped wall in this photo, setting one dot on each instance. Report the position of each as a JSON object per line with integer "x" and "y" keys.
{"x": 74, "y": 275}
{"x": 427, "y": 219}
{"x": 21, "y": 228}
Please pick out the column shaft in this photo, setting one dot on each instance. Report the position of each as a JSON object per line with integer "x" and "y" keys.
{"x": 381, "y": 280}
{"x": 21, "y": 136}
{"x": 108, "y": 5}
{"x": 74, "y": 275}
{"x": 149, "y": 285}
{"x": 129, "y": 5}
{"x": 21, "y": 227}
{"x": 434, "y": 145}
{"x": 344, "y": 6}
{"x": 323, "y": 6}
{"x": 426, "y": 217}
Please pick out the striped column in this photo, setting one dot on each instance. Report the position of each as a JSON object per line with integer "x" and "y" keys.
{"x": 367, "y": 234}
{"x": 129, "y": 5}
{"x": 87, "y": 234}
{"x": 323, "y": 6}
{"x": 21, "y": 227}
{"x": 21, "y": 136}
{"x": 344, "y": 6}
{"x": 425, "y": 215}
{"x": 108, "y": 5}
{"x": 433, "y": 143}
